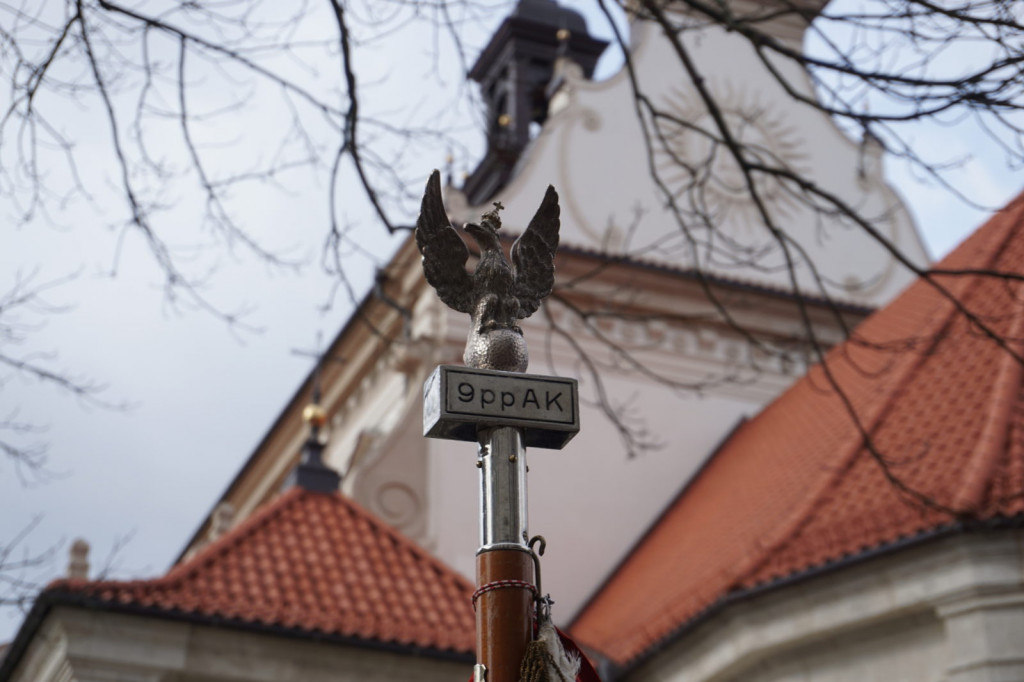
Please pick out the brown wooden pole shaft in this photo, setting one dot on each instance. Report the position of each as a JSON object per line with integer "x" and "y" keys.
{"x": 504, "y": 617}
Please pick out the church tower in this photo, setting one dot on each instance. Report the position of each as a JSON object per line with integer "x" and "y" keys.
{"x": 514, "y": 71}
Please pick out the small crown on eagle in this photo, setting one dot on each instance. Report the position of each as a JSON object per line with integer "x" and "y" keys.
{"x": 491, "y": 219}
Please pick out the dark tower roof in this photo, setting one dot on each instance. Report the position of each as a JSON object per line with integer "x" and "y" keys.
{"x": 551, "y": 14}
{"x": 513, "y": 71}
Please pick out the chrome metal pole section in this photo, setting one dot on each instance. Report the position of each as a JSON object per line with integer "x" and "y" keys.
{"x": 504, "y": 617}
{"x": 502, "y": 490}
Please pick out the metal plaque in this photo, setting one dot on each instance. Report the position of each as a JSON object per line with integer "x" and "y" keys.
{"x": 457, "y": 401}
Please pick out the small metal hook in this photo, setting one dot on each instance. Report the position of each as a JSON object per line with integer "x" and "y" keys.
{"x": 543, "y": 601}
{"x": 538, "y": 539}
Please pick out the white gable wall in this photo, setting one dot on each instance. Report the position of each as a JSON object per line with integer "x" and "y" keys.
{"x": 593, "y": 151}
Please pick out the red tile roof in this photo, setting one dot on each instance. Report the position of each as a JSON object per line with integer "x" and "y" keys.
{"x": 795, "y": 488}
{"x": 310, "y": 563}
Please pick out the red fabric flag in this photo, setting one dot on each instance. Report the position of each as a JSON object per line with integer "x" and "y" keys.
{"x": 587, "y": 672}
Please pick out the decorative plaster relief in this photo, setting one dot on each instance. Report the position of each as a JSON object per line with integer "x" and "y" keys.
{"x": 399, "y": 503}
{"x": 384, "y": 465}
{"x": 391, "y": 477}
{"x": 696, "y": 164}
{"x": 712, "y": 346}
{"x": 590, "y": 119}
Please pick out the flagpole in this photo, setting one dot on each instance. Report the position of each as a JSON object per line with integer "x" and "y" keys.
{"x": 504, "y": 566}
{"x": 491, "y": 401}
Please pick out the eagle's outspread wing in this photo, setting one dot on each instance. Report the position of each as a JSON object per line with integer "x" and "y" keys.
{"x": 444, "y": 252}
{"x": 533, "y": 255}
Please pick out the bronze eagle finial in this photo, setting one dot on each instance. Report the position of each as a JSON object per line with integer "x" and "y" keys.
{"x": 498, "y": 293}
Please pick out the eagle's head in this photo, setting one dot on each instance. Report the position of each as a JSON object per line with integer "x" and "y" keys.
{"x": 486, "y": 233}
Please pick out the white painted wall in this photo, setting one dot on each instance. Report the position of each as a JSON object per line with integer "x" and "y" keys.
{"x": 76, "y": 645}
{"x": 947, "y": 610}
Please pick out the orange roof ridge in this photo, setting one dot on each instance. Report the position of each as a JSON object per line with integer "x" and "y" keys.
{"x": 205, "y": 555}
{"x": 308, "y": 562}
{"x": 802, "y": 514}
{"x": 993, "y": 439}
{"x": 972, "y": 493}
{"x": 971, "y": 496}
{"x": 878, "y": 409}
{"x": 795, "y": 490}
{"x": 992, "y": 442}
{"x": 183, "y": 569}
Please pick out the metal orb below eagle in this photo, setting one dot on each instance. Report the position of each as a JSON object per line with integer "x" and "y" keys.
{"x": 498, "y": 293}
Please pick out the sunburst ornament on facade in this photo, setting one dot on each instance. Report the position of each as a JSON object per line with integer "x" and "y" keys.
{"x": 699, "y": 168}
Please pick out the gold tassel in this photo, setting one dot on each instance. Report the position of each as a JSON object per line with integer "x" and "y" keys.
{"x": 545, "y": 661}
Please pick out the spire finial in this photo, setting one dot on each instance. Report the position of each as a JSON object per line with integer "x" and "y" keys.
{"x": 312, "y": 473}
{"x": 78, "y": 560}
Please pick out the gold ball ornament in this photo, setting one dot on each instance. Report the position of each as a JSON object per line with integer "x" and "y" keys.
{"x": 314, "y": 415}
